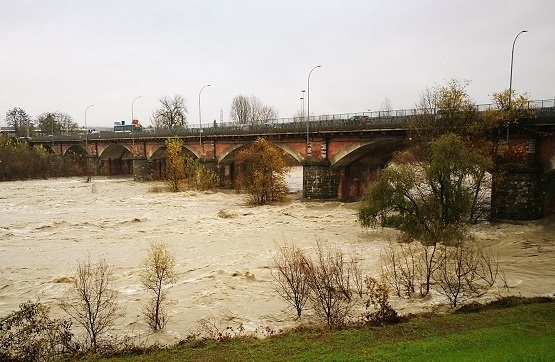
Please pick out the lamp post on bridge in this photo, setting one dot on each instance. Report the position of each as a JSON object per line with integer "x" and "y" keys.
{"x": 511, "y": 81}
{"x": 132, "y": 117}
{"x": 511, "y": 77}
{"x": 86, "y": 128}
{"x": 200, "y": 117}
{"x": 302, "y": 104}
{"x": 308, "y": 148}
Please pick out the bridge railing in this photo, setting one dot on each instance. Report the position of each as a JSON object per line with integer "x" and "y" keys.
{"x": 388, "y": 119}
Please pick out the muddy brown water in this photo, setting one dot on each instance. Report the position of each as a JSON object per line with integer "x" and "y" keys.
{"x": 223, "y": 263}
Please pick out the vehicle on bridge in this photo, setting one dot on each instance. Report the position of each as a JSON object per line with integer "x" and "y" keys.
{"x": 121, "y": 127}
{"x": 359, "y": 119}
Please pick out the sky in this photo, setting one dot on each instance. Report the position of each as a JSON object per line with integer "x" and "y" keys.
{"x": 65, "y": 55}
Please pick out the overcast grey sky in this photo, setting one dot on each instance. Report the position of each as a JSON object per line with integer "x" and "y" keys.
{"x": 63, "y": 55}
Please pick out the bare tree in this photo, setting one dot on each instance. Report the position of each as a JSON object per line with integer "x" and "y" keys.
{"x": 20, "y": 121}
{"x": 245, "y": 110}
{"x": 386, "y": 107}
{"x": 158, "y": 272}
{"x": 172, "y": 113}
{"x": 241, "y": 109}
{"x": 56, "y": 123}
{"x": 465, "y": 270}
{"x": 92, "y": 302}
{"x": 290, "y": 272}
{"x": 400, "y": 265}
{"x": 330, "y": 284}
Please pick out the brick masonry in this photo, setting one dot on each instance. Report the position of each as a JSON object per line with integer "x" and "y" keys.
{"x": 517, "y": 195}
{"x": 319, "y": 181}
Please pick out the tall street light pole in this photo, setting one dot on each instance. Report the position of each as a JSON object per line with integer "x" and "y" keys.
{"x": 86, "y": 128}
{"x": 302, "y": 103}
{"x": 511, "y": 80}
{"x": 308, "y": 109}
{"x": 132, "y": 117}
{"x": 199, "y": 114}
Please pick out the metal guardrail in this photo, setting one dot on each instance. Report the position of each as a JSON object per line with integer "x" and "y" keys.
{"x": 392, "y": 119}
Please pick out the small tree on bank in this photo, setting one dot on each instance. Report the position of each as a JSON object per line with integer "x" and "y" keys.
{"x": 291, "y": 274}
{"x": 158, "y": 272}
{"x": 263, "y": 170}
{"x": 30, "y": 334}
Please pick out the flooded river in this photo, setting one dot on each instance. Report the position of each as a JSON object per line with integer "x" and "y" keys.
{"x": 223, "y": 264}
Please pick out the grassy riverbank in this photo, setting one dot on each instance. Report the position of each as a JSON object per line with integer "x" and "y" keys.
{"x": 512, "y": 329}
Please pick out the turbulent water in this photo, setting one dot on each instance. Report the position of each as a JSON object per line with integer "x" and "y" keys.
{"x": 223, "y": 263}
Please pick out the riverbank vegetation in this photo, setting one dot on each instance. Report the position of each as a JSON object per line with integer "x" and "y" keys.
{"x": 509, "y": 329}
{"x": 18, "y": 161}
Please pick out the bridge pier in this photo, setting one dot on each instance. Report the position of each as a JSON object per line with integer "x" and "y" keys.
{"x": 549, "y": 189}
{"x": 142, "y": 169}
{"x": 517, "y": 195}
{"x": 319, "y": 180}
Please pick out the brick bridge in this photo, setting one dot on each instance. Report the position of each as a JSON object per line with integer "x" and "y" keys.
{"x": 341, "y": 156}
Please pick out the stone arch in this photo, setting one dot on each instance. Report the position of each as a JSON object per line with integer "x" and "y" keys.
{"x": 291, "y": 152}
{"x": 76, "y": 149}
{"x": 116, "y": 159}
{"x": 157, "y": 159}
{"x": 228, "y": 155}
{"x": 360, "y": 163}
{"x": 379, "y": 151}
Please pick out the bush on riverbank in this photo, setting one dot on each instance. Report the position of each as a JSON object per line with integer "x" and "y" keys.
{"x": 19, "y": 161}
{"x": 523, "y": 331}
{"x": 508, "y": 328}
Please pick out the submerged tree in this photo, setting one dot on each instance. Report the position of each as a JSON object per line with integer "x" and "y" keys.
{"x": 263, "y": 170}
{"x": 175, "y": 165}
{"x": 92, "y": 302}
{"x": 158, "y": 271}
{"x": 428, "y": 200}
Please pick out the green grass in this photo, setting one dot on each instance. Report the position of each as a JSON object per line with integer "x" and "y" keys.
{"x": 514, "y": 330}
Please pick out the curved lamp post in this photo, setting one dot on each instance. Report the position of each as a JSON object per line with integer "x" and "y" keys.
{"x": 86, "y": 128}
{"x": 199, "y": 114}
{"x": 308, "y": 107}
{"x": 511, "y": 80}
{"x": 302, "y": 103}
{"x": 132, "y": 125}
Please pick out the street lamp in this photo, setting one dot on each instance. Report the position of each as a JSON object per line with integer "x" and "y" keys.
{"x": 199, "y": 114}
{"x": 308, "y": 107}
{"x": 511, "y": 78}
{"x": 511, "y": 81}
{"x": 132, "y": 117}
{"x": 86, "y": 128}
{"x": 302, "y": 103}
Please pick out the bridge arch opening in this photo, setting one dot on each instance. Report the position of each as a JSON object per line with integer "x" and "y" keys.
{"x": 361, "y": 163}
{"x": 160, "y": 155}
{"x": 76, "y": 150}
{"x": 230, "y": 164}
{"x": 116, "y": 160}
